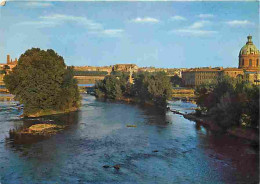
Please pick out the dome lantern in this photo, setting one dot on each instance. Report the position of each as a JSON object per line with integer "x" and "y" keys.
{"x": 249, "y": 38}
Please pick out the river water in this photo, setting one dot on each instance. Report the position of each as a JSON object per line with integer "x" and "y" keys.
{"x": 163, "y": 148}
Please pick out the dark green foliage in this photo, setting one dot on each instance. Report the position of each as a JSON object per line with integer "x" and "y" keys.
{"x": 148, "y": 87}
{"x": 2, "y": 72}
{"x": 41, "y": 82}
{"x": 112, "y": 87}
{"x": 229, "y": 101}
{"x": 154, "y": 87}
{"x": 176, "y": 81}
{"x": 90, "y": 73}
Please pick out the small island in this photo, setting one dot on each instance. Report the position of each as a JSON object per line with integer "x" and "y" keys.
{"x": 142, "y": 87}
{"x": 43, "y": 84}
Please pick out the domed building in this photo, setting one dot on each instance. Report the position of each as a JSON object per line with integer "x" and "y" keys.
{"x": 249, "y": 56}
{"x": 248, "y": 68}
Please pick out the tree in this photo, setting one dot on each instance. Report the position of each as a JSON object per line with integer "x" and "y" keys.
{"x": 176, "y": 81}
{"x": 148, "y": 87}
{"x": 42, "y": 82}
{"x": 230, "y": 102}
{"x": 112, "y": 87}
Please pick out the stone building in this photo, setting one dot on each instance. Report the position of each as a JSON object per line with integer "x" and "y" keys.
{"x": 9, "y": 62}
{"x": 248, "y": 68}
{"x": 125, "y": 67}
{"x": 232, "y": 72}
{"x": 107, "y": 69}
{"x": 198, "y": 76}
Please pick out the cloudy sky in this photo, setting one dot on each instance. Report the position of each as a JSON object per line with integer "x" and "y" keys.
{"x": 160, "y": 34}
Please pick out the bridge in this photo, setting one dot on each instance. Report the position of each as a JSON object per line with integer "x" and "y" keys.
{"x": 87, "y": 88}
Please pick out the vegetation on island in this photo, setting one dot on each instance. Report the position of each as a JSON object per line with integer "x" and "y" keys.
{"x": 152, "y": 88}
{"x": 229, "y": 102}
{"x": 42, "y": 82}
{"x": 177, "y": 81}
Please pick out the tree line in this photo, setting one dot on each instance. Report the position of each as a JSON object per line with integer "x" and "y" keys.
{"x": 152, "y": 88}
{"x": 230, "y": 102}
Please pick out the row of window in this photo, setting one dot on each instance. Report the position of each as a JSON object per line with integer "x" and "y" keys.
{"x": 250, "y": 62}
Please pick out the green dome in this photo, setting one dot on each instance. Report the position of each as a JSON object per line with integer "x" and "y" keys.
{"x": 249, "y": 48}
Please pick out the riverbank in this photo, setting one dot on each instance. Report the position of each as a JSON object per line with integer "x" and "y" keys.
{"x": 51, "y": 112}
{"x": 131, "y": 100}
{"x": 241, "y": 132}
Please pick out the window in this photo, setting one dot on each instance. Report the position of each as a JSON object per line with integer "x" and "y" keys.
{"x": 257, "y": 62}
{"x": 250, "y": 62}
{"x": 243, "y": 62}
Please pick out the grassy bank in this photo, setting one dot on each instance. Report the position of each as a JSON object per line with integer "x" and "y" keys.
{"x": 50, "y": 112}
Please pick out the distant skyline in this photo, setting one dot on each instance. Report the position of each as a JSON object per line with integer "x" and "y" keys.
{"x": 159, "y": 34}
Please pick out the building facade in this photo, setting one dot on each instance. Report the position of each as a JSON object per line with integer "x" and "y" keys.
{"x": 248, "y": 68}
{"x": 125, "y": 67}
{"x": 198, "y": 76}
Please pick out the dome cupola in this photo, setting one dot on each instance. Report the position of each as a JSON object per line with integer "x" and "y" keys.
{"x": 249, "y": 55}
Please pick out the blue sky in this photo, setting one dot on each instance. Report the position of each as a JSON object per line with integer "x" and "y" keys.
{"x": 160, "y": 34}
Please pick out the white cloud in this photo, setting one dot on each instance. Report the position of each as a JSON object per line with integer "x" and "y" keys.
{"x": 195, "y": 29}
{"x": 113, "y": 32}
{"x": 205, "y": 15}
{"x": 239, "y": 23}
{"x": 178, "y": 18}
{"x": 59, "y": 19}
{"x": 199, "y": 24}
{"x": 194, "y": 32}
{"x": 38, "y": 4}
{"x": 145, "y": 20}
{"x": 38, "y": 24}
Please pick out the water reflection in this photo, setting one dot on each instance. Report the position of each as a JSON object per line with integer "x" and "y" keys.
{"x": 98, "y": 135}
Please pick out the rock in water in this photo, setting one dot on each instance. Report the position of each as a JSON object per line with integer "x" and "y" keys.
{"x": 134, "y": 126}
{"x": 117, "y": 167}
{"x": 106, "y": 166}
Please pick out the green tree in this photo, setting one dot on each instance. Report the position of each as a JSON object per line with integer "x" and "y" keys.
{"x": 147, "y": 87}
{"x": 176, "y": 81}
{"x": 230, "y": 102}
{"x": 42, "y": 82}
{"x": 112, "y": 87}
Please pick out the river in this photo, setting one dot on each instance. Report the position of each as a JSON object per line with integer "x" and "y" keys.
{"x": 161, "y": 149}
